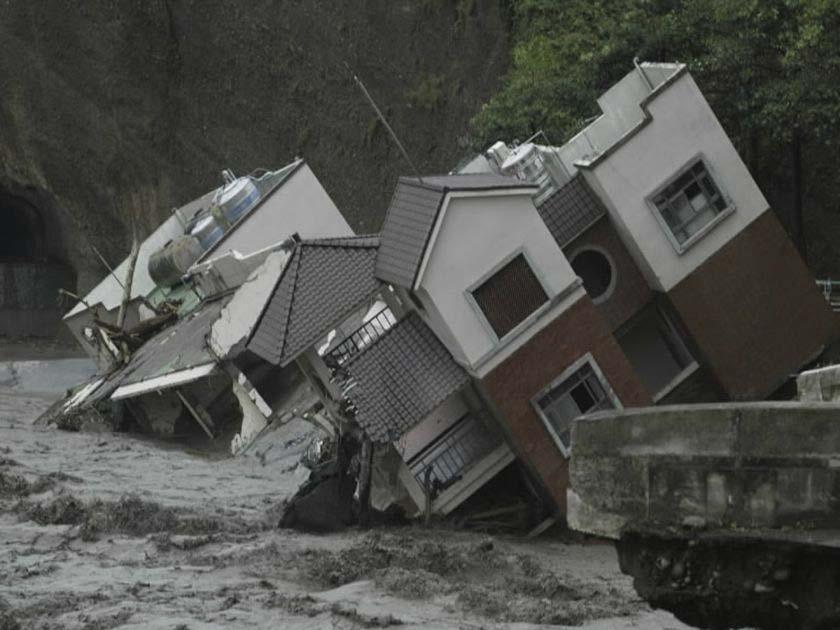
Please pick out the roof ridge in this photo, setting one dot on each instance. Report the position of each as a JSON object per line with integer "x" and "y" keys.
{"x": 361, "y": 241}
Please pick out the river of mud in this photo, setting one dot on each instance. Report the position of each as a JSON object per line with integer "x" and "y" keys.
{"x": 102, "y": 530}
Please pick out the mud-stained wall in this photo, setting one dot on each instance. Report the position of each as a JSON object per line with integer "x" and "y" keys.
{"x": 120, "y": 111}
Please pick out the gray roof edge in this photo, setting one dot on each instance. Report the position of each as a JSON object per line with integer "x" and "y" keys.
{"x": 294, "y": 259}
{"x": 360, "y": 241}
{"x": 418, "y": 182}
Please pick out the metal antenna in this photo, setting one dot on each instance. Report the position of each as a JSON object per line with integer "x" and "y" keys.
{"x": 387, "y": 126}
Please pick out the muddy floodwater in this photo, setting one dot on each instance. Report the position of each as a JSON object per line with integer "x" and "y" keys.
{"x": 102, "y": 530}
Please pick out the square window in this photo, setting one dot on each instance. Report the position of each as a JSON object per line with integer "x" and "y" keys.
{"x": 580, "y": 393}
{"x": 690, "y": 203}
{"x": 655, "y": 350}
{"x": 510, "y": 295}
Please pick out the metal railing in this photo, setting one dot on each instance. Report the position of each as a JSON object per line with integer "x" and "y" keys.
{"x": 444, "y": 461}
{"x": 354, "y": 344}
{"x": 831, "y": 291}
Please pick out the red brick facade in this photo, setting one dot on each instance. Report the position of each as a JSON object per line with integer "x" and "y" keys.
{"x": 754, "y": 311}
{"x": 512, "y": 385}
{"x": 631, "y": 292}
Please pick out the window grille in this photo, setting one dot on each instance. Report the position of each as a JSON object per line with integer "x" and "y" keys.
{"x": 690, "y": 202}
{"x": 510, "y": 295}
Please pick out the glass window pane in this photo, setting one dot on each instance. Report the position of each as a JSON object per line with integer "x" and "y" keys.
{"x": 583, "y": 398}
{"x": 581, "y": 393}
{"x": 690, "y": 202}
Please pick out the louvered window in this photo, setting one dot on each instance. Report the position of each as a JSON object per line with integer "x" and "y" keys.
{"x": 510, "y": 295}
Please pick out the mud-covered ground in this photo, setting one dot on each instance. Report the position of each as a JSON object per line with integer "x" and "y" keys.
{"x": 105, "y": 531}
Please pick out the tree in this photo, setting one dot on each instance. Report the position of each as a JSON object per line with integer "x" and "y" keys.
{"x": 769, "y": 68}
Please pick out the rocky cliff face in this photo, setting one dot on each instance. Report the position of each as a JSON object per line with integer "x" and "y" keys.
{"x": 115, "y": 112}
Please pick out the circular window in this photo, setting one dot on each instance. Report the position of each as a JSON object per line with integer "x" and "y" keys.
{"x": 596, "y": 271}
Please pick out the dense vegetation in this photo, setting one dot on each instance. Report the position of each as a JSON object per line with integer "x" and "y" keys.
{"x": 769, "y": 68}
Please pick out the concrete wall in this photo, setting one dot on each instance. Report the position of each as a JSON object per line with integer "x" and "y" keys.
{"x": 478, "y": 233}
{"x": 299, "y": 205}
{"x": 512, "y": 386}
{"x": 751, "y": 465}
{"x": 682, "y": 128}
{"x": 622, "y": 111}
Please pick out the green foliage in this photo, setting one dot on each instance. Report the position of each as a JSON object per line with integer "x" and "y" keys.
{"x": 766, "y": 66}
{"x": 770, "y": 70}
{"x": 427, "y": 93}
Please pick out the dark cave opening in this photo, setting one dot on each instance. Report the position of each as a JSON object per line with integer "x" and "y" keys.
{"x": 22, "y": 230}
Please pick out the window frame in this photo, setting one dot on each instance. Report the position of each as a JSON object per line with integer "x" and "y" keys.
{"x": 675, "y": 337}
{"x": 730, "y": 208}
{"x": 568, "y": 373}
{"x": 608, "y": 292}
{"x": 488, "y": 327}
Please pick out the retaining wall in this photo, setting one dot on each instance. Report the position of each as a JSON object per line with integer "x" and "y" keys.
{"x": 750, "y": 465}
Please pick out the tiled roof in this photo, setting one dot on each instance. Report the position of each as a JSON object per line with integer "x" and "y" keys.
{"x": 325, "y": 280}
{"x": 412, "y": 215}
{"x": 402, "y": 378}
{"x": 571, "y": 210}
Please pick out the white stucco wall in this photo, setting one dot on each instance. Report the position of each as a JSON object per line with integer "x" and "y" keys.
{"x": 682, "y": 128}
{"x": 421, "y": 435}
{"x": 476, "y": 234}
{"x": 621, "y": 111}
{"x": 109, "y": 292}
{"x": 299, "y": 205}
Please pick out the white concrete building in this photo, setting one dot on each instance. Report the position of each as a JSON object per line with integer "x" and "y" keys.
{"x": 288, "y": 201}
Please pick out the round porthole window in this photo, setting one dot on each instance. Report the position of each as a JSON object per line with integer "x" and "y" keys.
{"x": 597, "y": 273}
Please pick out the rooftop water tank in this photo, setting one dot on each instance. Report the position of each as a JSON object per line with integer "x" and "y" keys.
{"x": 171, "y": 262}
{"x": 498, "y": 153}
{"x": 236, "y": 197}
{"x": 207, "y": 230}
{"x": 541, "y": 167}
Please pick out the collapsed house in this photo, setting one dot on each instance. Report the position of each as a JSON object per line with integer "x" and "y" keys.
{"x": 636, "y": 264}
{"x": 187, "y": 294}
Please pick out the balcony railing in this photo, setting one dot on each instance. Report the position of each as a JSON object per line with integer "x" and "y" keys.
{"x": 355, "y": 343}
{"x": 455, "y": 451}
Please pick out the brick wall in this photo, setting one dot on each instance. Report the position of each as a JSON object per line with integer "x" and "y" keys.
{"x": 631, "y": 291}
{"x": 513, "y": 384}
{"x": 754, "y": 311}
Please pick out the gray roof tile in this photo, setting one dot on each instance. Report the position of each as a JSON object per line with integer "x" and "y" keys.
{"x": 412, "y": 214}
{"x": 324, "y": 280}
{"x": 571, "y": 210}
{"x": 401, "y": 378}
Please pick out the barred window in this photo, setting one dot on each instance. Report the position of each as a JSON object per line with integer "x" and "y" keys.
{"x": 690, "y": 202}
{"x": 510, "y": 295}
